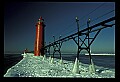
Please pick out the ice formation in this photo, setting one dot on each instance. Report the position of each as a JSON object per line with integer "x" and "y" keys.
{"x": 38, "y": 66}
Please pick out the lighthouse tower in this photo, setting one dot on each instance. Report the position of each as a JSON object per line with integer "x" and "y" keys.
{"x": 39, "y": 40}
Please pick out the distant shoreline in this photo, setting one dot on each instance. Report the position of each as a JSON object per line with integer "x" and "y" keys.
{"x": 101, "y": 54}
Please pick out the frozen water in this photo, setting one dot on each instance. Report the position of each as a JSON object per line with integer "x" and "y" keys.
{"x": 38, "y": 66}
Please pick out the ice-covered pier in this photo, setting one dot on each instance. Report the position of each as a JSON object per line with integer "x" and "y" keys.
{"x": 39, "y": 66}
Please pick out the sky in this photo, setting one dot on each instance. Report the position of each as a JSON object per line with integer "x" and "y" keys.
{"x": 59, "y": 17}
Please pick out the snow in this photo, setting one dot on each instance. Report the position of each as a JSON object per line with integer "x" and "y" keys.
{"x": 39, "y": 66}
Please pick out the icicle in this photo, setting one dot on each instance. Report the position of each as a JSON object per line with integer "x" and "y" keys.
{"x": 52, "y": 60}
{"x": 76, "y": 66}
{"x": 91, "y": 67}
{"x": 44, "y": 57}
{"x": 61, "y": 62}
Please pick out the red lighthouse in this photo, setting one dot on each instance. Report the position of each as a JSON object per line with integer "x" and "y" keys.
{"x": 39, "y": 40}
